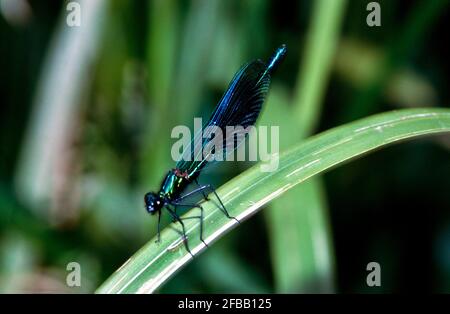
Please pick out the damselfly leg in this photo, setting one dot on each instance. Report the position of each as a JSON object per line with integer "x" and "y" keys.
{"x": 205, "y": 196}
{"x": 177, "y": 218}
{"x": 181, "y": 202}
{"x": 195, "y": 217}
{"x": 211, "y": 189}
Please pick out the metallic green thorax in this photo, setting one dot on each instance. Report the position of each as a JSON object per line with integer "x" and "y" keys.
{"x": 174, "y": 183}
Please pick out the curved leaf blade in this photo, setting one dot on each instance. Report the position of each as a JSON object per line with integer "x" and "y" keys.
{"x": 243, "y": 196}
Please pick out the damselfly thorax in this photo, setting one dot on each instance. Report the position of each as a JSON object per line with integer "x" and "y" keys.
{"x": 175, "y": 183}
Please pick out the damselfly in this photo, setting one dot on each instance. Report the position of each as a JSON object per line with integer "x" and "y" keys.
{"x": 239, "y": 106}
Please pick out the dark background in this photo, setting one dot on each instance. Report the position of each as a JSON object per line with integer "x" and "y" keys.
{"x": 391, "y": 206}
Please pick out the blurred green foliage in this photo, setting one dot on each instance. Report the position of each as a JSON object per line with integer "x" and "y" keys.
{"x": 148, "y": 66}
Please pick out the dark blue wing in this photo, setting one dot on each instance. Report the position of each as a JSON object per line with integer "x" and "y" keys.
{"x": 240, "y": 106}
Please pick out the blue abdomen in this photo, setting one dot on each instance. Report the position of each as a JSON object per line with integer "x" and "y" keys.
{"x": 276, "y": 58}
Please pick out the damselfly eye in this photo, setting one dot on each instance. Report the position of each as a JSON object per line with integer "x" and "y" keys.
{"x": 152, "y": 202}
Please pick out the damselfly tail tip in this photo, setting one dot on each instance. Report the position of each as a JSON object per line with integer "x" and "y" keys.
{"x": 276, "y": 58}
{"x": 283, "y": 48}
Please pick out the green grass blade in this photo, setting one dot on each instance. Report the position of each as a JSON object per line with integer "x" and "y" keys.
{"x": 154, "y": 263}
{"x": 306, "y": 231}
{"x": 300, "y": 242}
{"x": 161, "y": 49}
{"x": 316, "y": 63}
{"x": 300, "y": 237}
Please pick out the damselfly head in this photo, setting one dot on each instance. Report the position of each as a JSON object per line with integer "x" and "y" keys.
{"x": 153, "y": 202}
